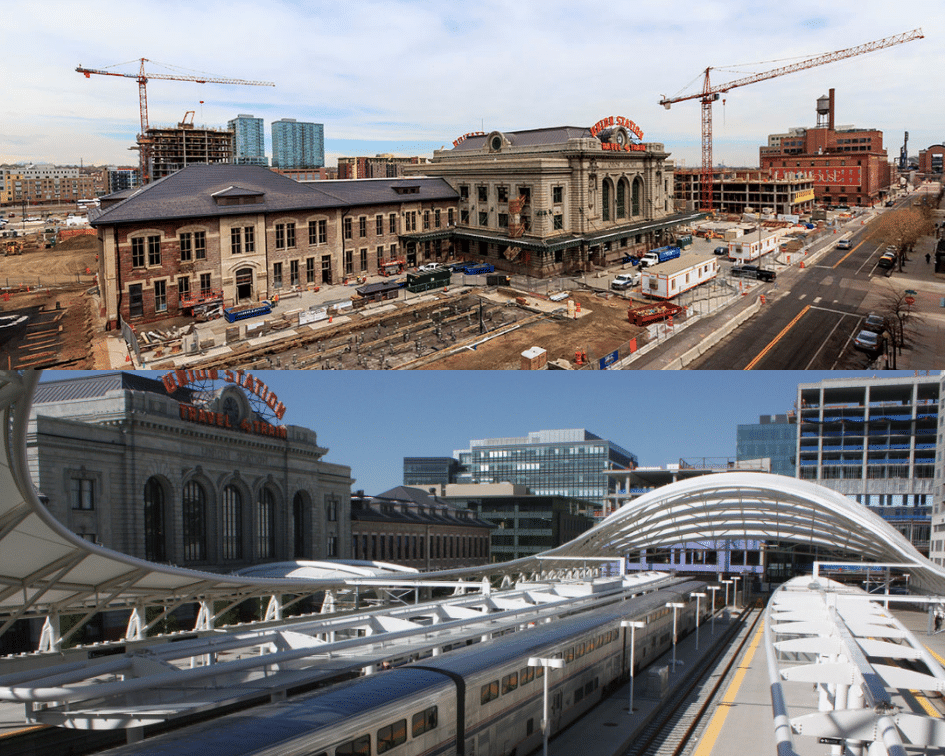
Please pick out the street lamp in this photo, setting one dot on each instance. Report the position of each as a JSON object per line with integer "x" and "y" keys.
{"x": 633, "y": 625}
{"x": 548, "y": 664}
{"x": 715, "y": 589}
{"x": 699, "y": 597}
{"x": 675, "y": 606}
{"x": 735, "y": 580}
{"x": 726, "y": 583}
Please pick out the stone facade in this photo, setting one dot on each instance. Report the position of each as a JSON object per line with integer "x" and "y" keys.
{"x": 557, "y": 200}
{"x": 127, "y": 466}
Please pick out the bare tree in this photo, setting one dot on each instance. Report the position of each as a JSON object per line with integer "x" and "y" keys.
{"x": 898, "y": 307}
{"x": 903, "y": 227}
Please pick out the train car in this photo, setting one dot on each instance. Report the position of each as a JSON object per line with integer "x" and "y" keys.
{"x": 484, "y": 700}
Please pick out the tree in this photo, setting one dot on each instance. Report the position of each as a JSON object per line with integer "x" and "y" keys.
{"x": 898, "y": 309}
{"x": 903, "y": 227}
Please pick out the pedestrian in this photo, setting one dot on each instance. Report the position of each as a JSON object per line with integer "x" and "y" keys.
{"x": 928, "y": 257}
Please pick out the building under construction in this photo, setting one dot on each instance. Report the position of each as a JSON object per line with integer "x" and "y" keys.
{"x": 177, "y": 147}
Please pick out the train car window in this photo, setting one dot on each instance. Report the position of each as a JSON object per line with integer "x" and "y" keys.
{"x": 490, "y": 692}
{"x": 579, "y": 651}
{"x": 424, "y": 721}
{"x": 357, "y": 747}
{"x": 526, "y": 675}
{"x": 579, "y": 695}
{"x": 509, "y": 683}
{"x": 591, "y": 645}
{"x": 589, "y": 688}
{"x": 539, "y": 671}
{"x": 569, "y": 656}
{"x": 392, "y": 736}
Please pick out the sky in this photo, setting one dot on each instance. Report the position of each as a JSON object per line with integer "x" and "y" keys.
{"x": 410, "y": 76}
{"x": 370, "y": 420}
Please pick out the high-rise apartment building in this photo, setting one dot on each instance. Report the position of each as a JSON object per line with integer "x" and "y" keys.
{"x": 296, "y": 144}
{"x": 249, "y": 140}
{"x": 774, "y": 437}
{"x": 568, "y": 462}
{"x": 874, "y": 440}
{"x": 937, "y": 542}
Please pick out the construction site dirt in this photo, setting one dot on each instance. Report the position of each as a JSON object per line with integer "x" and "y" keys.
{"x": 467, "y": 330}
{"x": 50, "y": 287}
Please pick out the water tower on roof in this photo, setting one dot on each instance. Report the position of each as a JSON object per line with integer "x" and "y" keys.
{"x": 825, "y": 111}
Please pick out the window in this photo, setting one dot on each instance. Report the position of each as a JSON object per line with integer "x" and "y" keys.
{"x": 558, "y": 222}
{"x": 154, "y": 546}
{"x": 557, "y": 194}
{"x": 362, "y": 232}
{"x": 526, "y": 675}
{"x": 160, "y": 296}
{"x": 183, "y": 287}
{"x": 309, "y": 270}
{"x": 449, "y": 216}
{"x": 232, "y": 523}
{"x": 82, "y": 493}
{"x": 294, "y": 273}
{"x": 502, "y": 193}
{"x": 423, "y": 722}
{"x": 489, "y": 692}
{"x": 312, "y": 233}
{"x": 464, "y": 192}
{"x": 205, "y": 284}
{"x": 483, "y": 219}
{"x": 378, "y": 225}
{"x": 194, "y": 510}
{"x": 236, "y": 241}
{"x": 483, "y": 193}
{"x": 392, "y": 736}
{"x": 154, "y": 250}
{"x": 364, "y": 259}
{"x": 135, "y": 301}
{"x": 426, "y": 220}
{"x": 249, "y": 239}
{"x": 357, "y": 747}
{"x": 265, "y": 526}
{"x": 186, "y": 247}
{"x": 200, "y": 245}
{"x": 380, "y": 257}
{"x": 331, "y": 509}
{"x": 347, "y": 228}
{"x": 280, "y": 236}
{"x": 332, "y": 546}
{"x": 392, "y": 223}
{"x": 436, "y": 217}
{"x": 349, "y": 262}
{"x": 137, "y": 252}
{"x": 277, "y": 275}
{"x": 509, "y": 683}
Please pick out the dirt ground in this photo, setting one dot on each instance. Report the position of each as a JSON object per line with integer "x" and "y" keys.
{"x": 602, "y": 328}
{"x": 51, "y": 286}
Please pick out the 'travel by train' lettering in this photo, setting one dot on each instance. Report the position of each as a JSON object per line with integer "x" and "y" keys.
{"x": 220, "y": 420}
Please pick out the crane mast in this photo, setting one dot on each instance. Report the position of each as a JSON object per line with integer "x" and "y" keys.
{"x": 142, "y": 77}
{"x": 710, "y": 94}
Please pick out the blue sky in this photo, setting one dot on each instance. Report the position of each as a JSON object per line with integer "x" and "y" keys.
{"x": 409, "y": 76}
{"x": 371, "y": 420}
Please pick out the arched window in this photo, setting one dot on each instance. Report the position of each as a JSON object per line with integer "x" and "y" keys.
{"x": 232, "y": 521}
{"x": 265, "y": 525}
{"x": 155, "y": 549}
{"x": 298, "y": 526}
{"x": 637, "y": 195}
{"x": 621, "y": 199}
{"x": 194, "y": 510}
{"x": 605, "y": 200}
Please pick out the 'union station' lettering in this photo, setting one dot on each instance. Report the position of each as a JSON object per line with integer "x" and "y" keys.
{"x": 181, "y": 378}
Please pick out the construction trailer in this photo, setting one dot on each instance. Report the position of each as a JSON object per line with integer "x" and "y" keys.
{"x": 673, "y": 277}
{"x": 751, "y": 247}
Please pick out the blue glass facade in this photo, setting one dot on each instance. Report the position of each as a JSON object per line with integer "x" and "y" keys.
{"x": 249, "y": 140}
{"x": 297, "y": 144}
{"x": 775, "y": 438}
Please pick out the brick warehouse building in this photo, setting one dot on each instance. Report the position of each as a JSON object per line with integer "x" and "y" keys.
{"x": 849, "y": 166}
{"x": 244, "y": 233}
{"x": 555, "y": 200}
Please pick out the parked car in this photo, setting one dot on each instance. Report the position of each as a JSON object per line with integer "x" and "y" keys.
{"x": 875, "y": 323}
{"x": 844, "y": 244}
{"x": 753, "y": 271}
{"x": 888, "y": 260}
{"x": 625, "y": 280}
{"x": 867, "y": 341}
{"x": 430, "y": 267}
{"x": 721, "y": 250}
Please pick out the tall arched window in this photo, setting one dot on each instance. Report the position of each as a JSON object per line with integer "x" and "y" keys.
{"x": 232, "y": 520}
{"x": 637, "y": 195}
{"x": 194, "y": 511}
{"x": 265, "y": 525}
{"x": 298, "y": 526}
{"x": 605, "y": 200}
{"x": 621, "y": 199}
{"x": 155, "y": 547}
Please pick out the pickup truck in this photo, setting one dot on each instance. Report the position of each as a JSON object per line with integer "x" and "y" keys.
{"x": 625, "y": 280}
{"x": 753, "y": 271}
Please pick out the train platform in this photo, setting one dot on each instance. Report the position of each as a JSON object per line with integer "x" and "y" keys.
{"x": 739, "y": 718}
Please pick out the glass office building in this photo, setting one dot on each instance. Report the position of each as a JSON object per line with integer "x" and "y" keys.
{"x": 570, "y": 462}
{"x": 774, "y": 437}
{"x": 296, "y": 144}
{"x": 429, "y": 471}
{"x": 249, "y": 141}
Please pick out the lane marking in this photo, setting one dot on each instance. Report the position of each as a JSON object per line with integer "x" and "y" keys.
{"x": 777, "y": 338}
{"x": 721, "y": 713}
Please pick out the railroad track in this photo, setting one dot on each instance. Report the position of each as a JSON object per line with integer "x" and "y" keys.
{"x": 679, "y": 722}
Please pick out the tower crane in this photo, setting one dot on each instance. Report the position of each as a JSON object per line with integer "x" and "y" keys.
{"x": 142, "y": 78}
{"x": 710, "y": 94}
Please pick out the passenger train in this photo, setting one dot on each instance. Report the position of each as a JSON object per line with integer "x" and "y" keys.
{"x": 484, "y": 700}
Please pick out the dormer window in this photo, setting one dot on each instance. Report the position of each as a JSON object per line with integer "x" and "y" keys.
{"x": 236, "y": 195}
{"x": 407, "y": 188}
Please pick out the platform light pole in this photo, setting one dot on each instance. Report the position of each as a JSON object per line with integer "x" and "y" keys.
{"x": 735, "y": 580}
{"x": 698, "y": 597}
{"x": 715, "y": 589}
{"x": 548, "y": 664}
{"x": 633, "y": 625}
{"x": 726, "y": 583}
{"x": 675, "y": 606}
